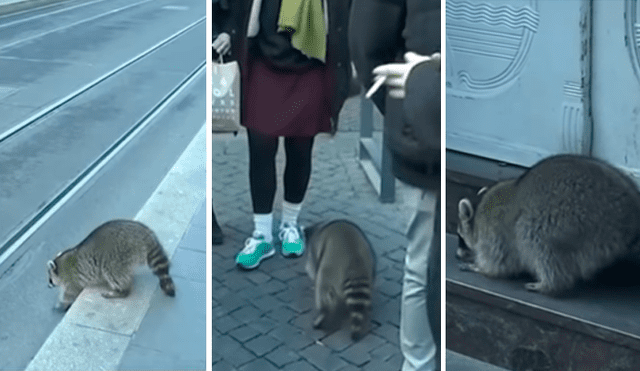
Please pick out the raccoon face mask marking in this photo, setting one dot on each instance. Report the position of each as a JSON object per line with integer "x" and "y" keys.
{"x": 52, "y": 273}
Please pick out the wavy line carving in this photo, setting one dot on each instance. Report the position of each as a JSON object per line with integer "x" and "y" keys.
{"x": 573, "y": 128}
{"x": 514, "y": 68}
{"x": 632, "y": 28}
{"x": 503, "y": 33}
{"x": 572, "y": 89}
{"x": 493, "y": 15}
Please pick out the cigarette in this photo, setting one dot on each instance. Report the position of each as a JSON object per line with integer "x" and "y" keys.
{"x": 376, "y": 85}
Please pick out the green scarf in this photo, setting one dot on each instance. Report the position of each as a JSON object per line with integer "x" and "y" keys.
{"x": 305, "y": 18}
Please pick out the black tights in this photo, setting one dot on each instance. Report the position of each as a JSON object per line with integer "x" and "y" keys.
{"x": 262, "y": 169}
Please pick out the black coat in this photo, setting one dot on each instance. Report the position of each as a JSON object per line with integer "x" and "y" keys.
{"x": 380, "y": 32}
{"x": 227, "y": 17}
{"x": 279, "y": 53}
{"x": 413, "y": 129}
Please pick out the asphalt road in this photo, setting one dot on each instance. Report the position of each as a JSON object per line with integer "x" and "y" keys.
{"x": 97, "y": 101}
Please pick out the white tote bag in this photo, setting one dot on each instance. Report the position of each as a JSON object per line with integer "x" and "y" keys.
{"x": 226, "y": 96}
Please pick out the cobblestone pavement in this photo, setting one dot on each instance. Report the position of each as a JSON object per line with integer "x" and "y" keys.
{"x": 262, "y": 319}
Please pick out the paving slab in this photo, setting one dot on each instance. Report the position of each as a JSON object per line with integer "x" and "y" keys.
{"x": 276, "y": 299}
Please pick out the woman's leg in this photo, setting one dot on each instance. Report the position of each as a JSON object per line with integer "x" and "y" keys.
{"x": 297, "y": 171}
{"x": 262, "y": 170}
{"x": 262, "y": 182}
{"x": 296, "y": 180}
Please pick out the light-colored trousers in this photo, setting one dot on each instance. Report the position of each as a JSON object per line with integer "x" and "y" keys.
{"x": 416, "y": 340}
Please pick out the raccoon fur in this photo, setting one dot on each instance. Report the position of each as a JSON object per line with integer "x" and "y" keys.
{"x": 106, "y": 259}
{"x": 562, "y": 221}
{"x": 341, "y": 263}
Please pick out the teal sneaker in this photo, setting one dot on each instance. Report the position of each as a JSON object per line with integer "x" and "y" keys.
{"x": 292, "y": 243}
{"x": 255, "y": 250}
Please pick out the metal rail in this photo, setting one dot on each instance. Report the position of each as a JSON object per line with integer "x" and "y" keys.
{"x": 44, "y": 7}
{"x": 29, "y": 227}
{"x": 69, "y": 97}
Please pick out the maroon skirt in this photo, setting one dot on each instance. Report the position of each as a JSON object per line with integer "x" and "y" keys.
{"x": 289, "y": 104}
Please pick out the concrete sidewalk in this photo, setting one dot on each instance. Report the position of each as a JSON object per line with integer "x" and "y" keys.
{"x": 262, "y": 319}
{"x": 147, "y": 329}
{"x": 172, "y": 335}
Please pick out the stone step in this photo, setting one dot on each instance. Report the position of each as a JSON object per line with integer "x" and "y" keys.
{"x": 594, "y": 327}
{"x": 460, "y": 362}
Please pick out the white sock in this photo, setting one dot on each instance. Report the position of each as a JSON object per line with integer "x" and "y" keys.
{"x": 264, "y": 226}
{"x": 290, "y": 213}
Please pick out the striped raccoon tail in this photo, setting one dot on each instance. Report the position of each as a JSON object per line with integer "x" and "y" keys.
{"x": 159, "y": 264}
{"x": 358, "y": 300}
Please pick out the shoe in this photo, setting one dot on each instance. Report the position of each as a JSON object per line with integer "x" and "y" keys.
{"x": 292, "y": 243}
{"x": 217, "y": 237}
{"x": 255, "y": 250}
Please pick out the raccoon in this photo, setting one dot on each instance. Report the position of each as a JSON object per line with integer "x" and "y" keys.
{"x": 562, "y": 221}
{"x": 341, "y": 263}
{"x": 106, "y": 259}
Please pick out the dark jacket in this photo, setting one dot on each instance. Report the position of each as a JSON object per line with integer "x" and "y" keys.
{"x": 275, "y": 48}
{"x": 413, "y": 129}
{"x": 227, "y": 18}
{"x": 380, "y": 32}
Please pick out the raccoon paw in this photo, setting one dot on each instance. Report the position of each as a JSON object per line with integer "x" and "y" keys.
{"x": 318, "y": 321}
{"x": 468, "y": 267}
{"x": 534, "y": 286}
{"x": 115, "y": 294}
{"x": 357, "y": 335}
{"x": 61, "y": 307}
{"x": 464, "y": 254}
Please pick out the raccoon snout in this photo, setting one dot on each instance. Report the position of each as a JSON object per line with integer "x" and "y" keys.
{"x": 463, "y": 252}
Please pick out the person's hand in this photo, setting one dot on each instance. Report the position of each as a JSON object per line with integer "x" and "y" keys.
{"x": 395, "y": 74}
{"x": 222, "y": 43}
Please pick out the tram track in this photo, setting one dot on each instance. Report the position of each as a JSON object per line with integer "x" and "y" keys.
{"x": 17, "y": 238}
{"x": 73, "y": 24}
{"x": 69, "y": 97}
{"x": 44, "y": 8}
{"x": 23, "y": 229}
{"x": 92, "y": 117}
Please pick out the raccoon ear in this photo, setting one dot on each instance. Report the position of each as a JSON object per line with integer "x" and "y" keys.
{"x": 465, "y": 209}
{"x": 482, "y": 190}
{"x": 51, "y": 264}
